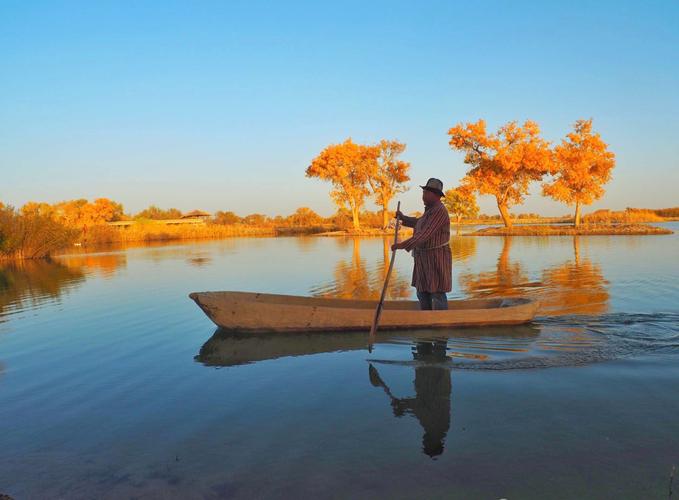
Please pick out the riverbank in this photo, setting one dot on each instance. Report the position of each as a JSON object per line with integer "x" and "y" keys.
{"x": 561, "y": 230}
{"x": 365, "y": 232}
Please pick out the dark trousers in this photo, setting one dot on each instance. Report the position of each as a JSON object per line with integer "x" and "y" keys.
{"x": 432, "y": 301}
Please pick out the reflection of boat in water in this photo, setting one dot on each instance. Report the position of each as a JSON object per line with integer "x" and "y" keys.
{"x": 431, "y": 405}
{"x": 262, "y": 312}
{"x": 226, "y": 348}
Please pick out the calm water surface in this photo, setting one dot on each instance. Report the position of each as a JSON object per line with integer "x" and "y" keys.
{"x": 113, "y": 384}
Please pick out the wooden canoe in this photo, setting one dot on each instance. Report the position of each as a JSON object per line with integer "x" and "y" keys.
{"x": 264, "y": 313}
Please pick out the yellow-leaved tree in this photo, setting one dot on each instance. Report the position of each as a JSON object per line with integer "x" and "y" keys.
{"x": 582, "y": 165}
{"x": 503, "y": 164}
{"x": 38, "y": 208}
{"x": 304, "y": 216}
{"x": 461, "y": 202}
{"x": 346, "y": 166}
{"x": 78, "y": 214}
{"x": 388, "y": 175}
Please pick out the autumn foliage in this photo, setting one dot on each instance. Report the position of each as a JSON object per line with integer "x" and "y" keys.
{"x": 461, "y": 202}
{"x": 582, "y": 165}
{"x": 504, "y": 163}
{"x": 352, "y": 168}
{"x": 155, "y": 213}
{"x": 346, "y": 166}
{"x": 78, "y": 214}
{"x": 31, "y": 235}
{"x": 388, "y": 175}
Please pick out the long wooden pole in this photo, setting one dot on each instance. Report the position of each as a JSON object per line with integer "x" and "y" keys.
{"x": 380, "y": 305}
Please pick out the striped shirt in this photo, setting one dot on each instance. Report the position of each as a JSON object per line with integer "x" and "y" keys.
{"x": 433, "y": 268}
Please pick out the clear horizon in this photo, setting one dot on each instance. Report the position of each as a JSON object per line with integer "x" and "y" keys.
{"x": 222, "y": 107}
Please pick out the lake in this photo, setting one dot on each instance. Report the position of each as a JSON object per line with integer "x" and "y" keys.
{"x": 113, "y": 384}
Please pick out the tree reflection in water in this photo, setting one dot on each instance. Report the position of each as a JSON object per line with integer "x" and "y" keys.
{"x": 463, "y": 248}
{"x": 575, "y": 287}
{"x": 431, "y": 404}
{"x": 507, "y": 279}
{"x": 27, "y": 283}
{"x": 355, "y": 280}
{"x": 105, "y": 265}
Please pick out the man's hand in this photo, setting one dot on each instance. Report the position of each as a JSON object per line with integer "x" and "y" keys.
{"x": 399, "y": 215}
{"x": 397, "y": 246}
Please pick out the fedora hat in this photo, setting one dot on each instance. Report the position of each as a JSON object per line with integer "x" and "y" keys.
{"x": 435, "y": 186}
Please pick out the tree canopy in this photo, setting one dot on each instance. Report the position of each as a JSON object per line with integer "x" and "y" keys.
{"x": 461, "y": 202}
{"x": 388, "y": 175}
{"x": 504, "y": 163}
{"x": 582, "y": 165}
{"x": 155, "y": 213}
{"x": 346, "y": 166}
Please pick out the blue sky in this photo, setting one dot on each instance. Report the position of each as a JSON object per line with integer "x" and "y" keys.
{"x": 222, "y": 105}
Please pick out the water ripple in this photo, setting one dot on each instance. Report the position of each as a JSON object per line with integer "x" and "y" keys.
{"x": 579, "y": 340}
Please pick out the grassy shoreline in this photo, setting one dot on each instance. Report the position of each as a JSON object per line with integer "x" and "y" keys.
{"x": 38, "y": 237}
{"x": 364, "y": 232}
{"x": 585, "y": 229}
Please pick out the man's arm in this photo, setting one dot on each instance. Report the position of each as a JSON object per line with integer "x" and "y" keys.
{"x": 435, "y": 222}
{"x": 406, "y": 220}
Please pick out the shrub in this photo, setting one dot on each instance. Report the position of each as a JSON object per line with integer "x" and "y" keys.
{"x": 31, "y": 235}
{"x": 226, "y": 218}
{"x": 627, "y": 216}
{"x": 667, "y": 212}
{"x": 158, "y": 231}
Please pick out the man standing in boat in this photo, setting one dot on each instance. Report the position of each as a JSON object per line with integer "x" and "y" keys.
{"x": 433, "y": 266}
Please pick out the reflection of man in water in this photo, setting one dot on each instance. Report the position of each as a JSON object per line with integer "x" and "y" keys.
{"x": 431, "y": 405}
{"x": 433, "y": 264}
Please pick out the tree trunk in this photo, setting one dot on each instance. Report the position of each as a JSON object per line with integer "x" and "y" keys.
{"x": 504, "y": 213}
{"x": 577, "y": 213}
{"x": 354, "y": 217}
{"x": 459, "y": 222}
{"x": 385, "y": 218}
{"x": 385, "y": 198}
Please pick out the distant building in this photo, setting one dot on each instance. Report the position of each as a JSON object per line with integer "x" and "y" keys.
{"x": 192, "y": 217}
{"x": 197, "y": 214}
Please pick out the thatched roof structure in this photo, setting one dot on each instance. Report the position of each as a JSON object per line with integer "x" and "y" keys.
{"x": 193, "y": 214}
